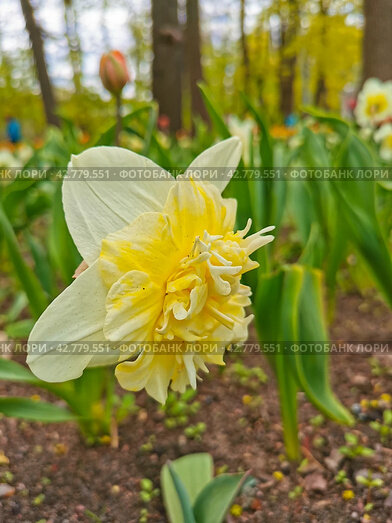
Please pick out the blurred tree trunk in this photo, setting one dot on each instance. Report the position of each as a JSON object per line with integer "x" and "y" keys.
{"x": 244, "y": 49}
{"x": 377, "y": 42}
{"x": 73, "y": 40}
{"x": 321, "y": 88}
{"x": 259, "y": 78}
{"x": 37, "y": 45}
{"x": 289, "y": 16}
{"x": 193, "y": 47}
{"x": 167, "y": 62}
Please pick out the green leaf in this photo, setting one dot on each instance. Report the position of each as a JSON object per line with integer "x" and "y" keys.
{"x": 276, "y": 309}
{"x": 19, "y": 330}
{"x": 357, "y": 206}
{"x": 63, "y": 252}
{"x": 216, "y": 118}
{"x": 41, "y": 263}
{"x": 285, "y": 363}
{"x": 314, "y": 250}
{"x": 312, "y": 368}
{"x": 301, "y": 209}
{"x": 215, "y": 499}
{"x": 151, "y": 125}
{"x": 288, "y": 309}
{"x": 266, "y": 147}
{"x": 19, "y": 303}
{"x": 186, "y": 506}
{"x": 12, "y": 371}
{"x": 31, "y": 410}
{"x": 30, "y": 283}
{"x": 195, "y": 471}
{"x": 335, "y": 122}
{"x": 108, "y": 137}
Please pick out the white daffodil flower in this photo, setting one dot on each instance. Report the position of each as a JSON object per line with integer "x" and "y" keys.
{"x": 164, "y": 265}
{"x": 374, "y": 103}
{"x": 242, "y": 129}
{"x": 384, "y": 137}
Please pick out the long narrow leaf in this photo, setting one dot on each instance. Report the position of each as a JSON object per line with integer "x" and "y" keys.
{"x": 30, "y": 283}
{"x": 183, "y": 496}
{"x": 32, "y": 410}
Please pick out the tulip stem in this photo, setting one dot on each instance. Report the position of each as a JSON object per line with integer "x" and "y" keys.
{"x": 118, "y": 118}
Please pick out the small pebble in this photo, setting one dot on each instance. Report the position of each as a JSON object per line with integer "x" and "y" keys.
{"x": 334, "y": 460}
{"x": 182, "y": 440}
{"x": 356, "y": 409}
{"x": 388, "y": 500}
{"x": 154, "y": 458}
{"x": 115, "y": 490}
{"x": 315, "y": 482}
{"x": 142, "y": 416}
{"x": 6, "y": 491}
{"x": 360, "y": 380}
{"x": 285, "y": 467}
{"x": 60, "y": 449}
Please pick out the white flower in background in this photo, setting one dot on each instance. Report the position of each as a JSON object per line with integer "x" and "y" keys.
{"x": 374, "y": 103}
{"x": 7, "y": 159}
{"x": 164, "y": 265}
{"x": 366, "y": 133}
{"x": 383, "y": 136}
{"x": 242, "y": 129}
{"x": 23, "y": 154}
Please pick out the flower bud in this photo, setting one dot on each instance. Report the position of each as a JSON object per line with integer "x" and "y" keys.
{"x": 113, "y": 71}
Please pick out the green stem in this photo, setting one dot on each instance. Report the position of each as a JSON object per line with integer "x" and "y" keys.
{"x": 118, "y": 118}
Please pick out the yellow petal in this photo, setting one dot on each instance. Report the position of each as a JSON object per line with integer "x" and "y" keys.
{"x": 194, "y": 207}
{"x": 133, "y": 306}
{"x": 145, "y": 245}
{"x": 152, "y": 372}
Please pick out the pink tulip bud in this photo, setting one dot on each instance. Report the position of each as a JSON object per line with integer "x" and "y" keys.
{"x": 113, "y": 71}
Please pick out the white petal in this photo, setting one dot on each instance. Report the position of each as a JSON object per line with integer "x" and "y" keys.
{"x": 94, "y": 209}
{"x": 76, "y": 315}
{"x": 224, "y": 155}
{"x": 106, "y": 359}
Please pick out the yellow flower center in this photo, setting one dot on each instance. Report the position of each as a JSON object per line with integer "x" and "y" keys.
{"x": 376, "y": 104}
{"x": 204, "y": 292}
{"x": 175, "y": 276}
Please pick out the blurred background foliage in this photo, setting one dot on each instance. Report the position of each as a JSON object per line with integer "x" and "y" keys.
{"x": 284, "y": 54}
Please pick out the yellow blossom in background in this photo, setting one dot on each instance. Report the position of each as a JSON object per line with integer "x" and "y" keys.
{"x": 236, "y": 510}
{"x": 278, "y": 475}
{"x": 347, "y": 495}
{"x": 374, "y": 103}
{"x": 282, "y": 132}
{"x": 164, "y": 265}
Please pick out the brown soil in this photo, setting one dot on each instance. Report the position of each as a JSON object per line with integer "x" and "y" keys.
{"x": 58, "y": 479}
